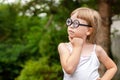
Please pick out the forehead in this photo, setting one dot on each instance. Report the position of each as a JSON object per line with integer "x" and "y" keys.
{"x": 75, "y": 17}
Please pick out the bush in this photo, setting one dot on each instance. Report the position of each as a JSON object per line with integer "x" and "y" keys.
{"x": 40, "y": 70}
{"x": 47, "y": 67}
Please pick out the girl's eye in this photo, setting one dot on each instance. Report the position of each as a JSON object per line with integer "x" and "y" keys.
{"x": 76, "y": 23}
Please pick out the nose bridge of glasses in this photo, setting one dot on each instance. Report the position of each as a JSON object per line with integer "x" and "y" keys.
{"x": 72, "y": 25}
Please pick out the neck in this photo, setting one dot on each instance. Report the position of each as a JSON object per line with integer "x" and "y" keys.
{"x": 85, "y": 43}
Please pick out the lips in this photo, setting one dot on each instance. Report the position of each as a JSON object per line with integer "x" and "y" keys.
{"x": 70, "y": 32}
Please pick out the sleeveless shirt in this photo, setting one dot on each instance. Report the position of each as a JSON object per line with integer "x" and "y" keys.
{"x": 87, "y": 68}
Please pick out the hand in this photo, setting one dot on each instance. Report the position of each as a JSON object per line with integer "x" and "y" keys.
{"x": 76, "y": 42}
{"x": 98, "y": 78}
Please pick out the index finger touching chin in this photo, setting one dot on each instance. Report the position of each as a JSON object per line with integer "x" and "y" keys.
{"x": 70, "y": 38}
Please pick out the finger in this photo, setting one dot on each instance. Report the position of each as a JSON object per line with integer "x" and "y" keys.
{"x": 70, "y": 39}
{"x": 98, "y": 78}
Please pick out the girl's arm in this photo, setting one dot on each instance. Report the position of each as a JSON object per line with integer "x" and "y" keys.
{"x": 69, "y": 61}
{"x": 107, "y": 62}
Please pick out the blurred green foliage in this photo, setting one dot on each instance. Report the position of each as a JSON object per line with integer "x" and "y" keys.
{"x": 40, "y": 70}
{"x": 28, "y": 45}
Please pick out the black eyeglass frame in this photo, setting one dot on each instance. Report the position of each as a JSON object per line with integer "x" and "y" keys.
{"x": 79, "y": 24}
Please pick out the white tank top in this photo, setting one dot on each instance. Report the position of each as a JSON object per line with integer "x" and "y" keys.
{"x": 87, "y": 68}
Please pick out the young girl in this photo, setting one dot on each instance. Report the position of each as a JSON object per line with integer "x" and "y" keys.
{"x": 80, "y": 57}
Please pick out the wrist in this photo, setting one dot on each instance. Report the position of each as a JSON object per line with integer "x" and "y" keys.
{"x": 77, "y": 47}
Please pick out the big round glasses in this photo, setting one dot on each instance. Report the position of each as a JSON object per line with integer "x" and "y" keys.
{"x": 75, "y": 23}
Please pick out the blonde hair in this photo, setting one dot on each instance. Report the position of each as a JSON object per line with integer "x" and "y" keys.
{"x": 92, "y": 17}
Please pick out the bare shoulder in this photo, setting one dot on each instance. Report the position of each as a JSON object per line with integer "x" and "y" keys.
{"x": 99, "y": 48}
{"x": 100, "y": 51}
{"x": 62, "y": 47}
{"x": 61, "y": 44}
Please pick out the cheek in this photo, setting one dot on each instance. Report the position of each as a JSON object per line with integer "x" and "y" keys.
{"x": 80, "y": 32}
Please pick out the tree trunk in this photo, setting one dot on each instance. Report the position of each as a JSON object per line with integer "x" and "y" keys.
{"x": 104, "y": 36}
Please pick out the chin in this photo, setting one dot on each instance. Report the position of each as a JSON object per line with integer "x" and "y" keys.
{"x": 71, "y": 36}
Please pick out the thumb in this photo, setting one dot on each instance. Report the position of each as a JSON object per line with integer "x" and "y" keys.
{"x": 70, "y": 38}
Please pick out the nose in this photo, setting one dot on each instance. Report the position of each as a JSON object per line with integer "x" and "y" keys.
{"x": 71, "y": 26}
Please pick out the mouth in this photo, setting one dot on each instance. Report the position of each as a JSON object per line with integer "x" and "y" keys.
{"x": 70, "y": 32}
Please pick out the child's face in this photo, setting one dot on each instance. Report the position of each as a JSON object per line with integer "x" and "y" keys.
{"x": 81, "y": 31}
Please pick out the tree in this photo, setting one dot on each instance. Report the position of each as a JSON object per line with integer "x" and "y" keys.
{"x": 106, "y": 8}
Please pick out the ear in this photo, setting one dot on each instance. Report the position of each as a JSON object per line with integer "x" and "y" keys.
{"x": 90, "y": 30}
